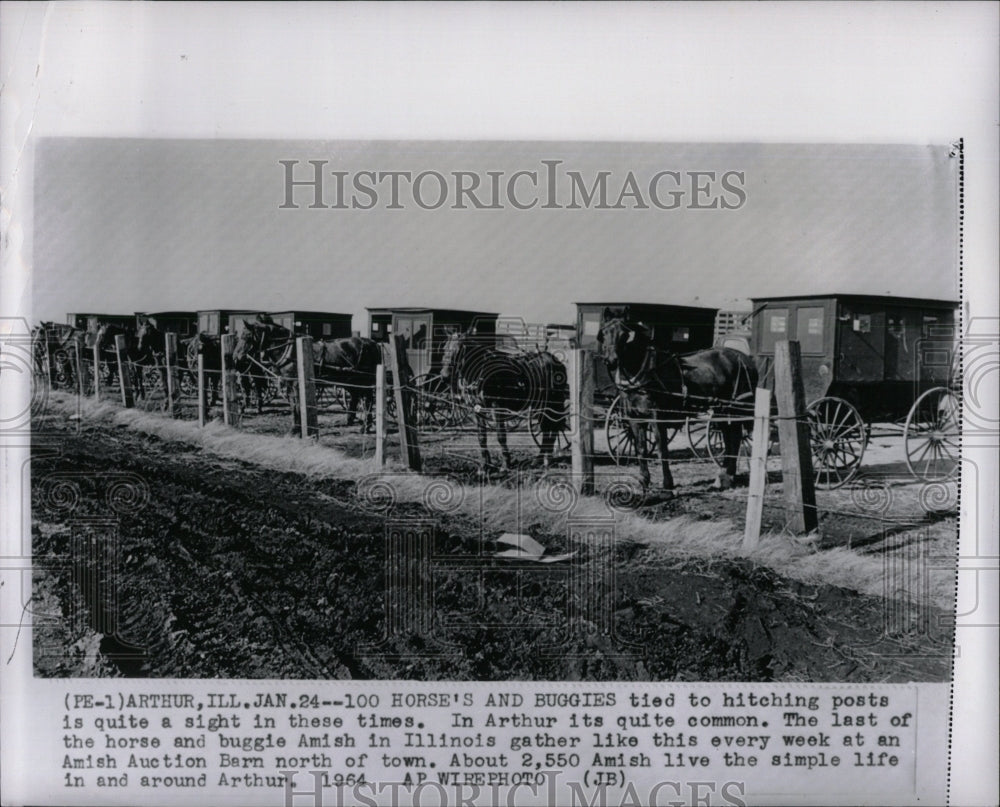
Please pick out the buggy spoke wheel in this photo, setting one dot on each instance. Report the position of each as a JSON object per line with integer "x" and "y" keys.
{"x": 561, "y": 443}
{"x": 434, "y": 404}
{"x": 621, "y": 440}
{"x": 705, "y": 437}
{"x": 837, "y": 439}
{"x": 716, "y": 443}
{"x": 931, "y": 435}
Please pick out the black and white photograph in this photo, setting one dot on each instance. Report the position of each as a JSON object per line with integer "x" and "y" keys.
{"x": 499, "y": 404}
{"x": 570, "y": 467}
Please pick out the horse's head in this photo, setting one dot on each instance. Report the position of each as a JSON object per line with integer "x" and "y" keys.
{"x": 148, "y": 339}
{"x": 104, "y": 337}
{"x": 620, "y": 337}
{"x": 451, "y": 352}
{"x": 248, "y": 342}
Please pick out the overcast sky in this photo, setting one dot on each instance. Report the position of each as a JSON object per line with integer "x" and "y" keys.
{"x": 135, "y": 224}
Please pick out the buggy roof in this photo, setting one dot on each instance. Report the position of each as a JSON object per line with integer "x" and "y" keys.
{"x": 310, "y": 314}
{"x": 421, "y": 310}
{"x": 663, "y": 306}
{"x": 885, "y": 299}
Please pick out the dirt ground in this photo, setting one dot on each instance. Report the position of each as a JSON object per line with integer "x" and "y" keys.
{"x": 233, "y": 570}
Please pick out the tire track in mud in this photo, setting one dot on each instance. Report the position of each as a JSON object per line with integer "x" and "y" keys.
{"x": 232, "y": 570}
{"x": 186, "y": 551}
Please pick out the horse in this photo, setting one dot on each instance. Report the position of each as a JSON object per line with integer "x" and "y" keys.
{"x": 210, "y": 348}
{"x": 505, "y": 385}
{"x": 350, "y": 362}
{"x": 151, "y": 352}
{"x": 667, "y": 387}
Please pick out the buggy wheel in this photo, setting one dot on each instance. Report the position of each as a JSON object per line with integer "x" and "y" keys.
{"x": 187, "y": 382}
{"x": 621, "y": 442}
{"x": 61, "y": 368}
{"x": 561, "y": 443}
{"x": 705, "y": 437}
{"x": 151, "y": 379}
{"x": 433, "y": 403}
{"x": 837, "y": 438}
{"x": 931, "y": 435}
{"x": 272, "y": 390}
{"x": 715, "y": 444}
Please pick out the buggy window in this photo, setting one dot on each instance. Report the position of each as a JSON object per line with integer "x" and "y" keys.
{"x": 809, "y": 329}
{"x": 681, "y": 334}
{"x": 774, "y": 328}
{"x": 591, "y": 321}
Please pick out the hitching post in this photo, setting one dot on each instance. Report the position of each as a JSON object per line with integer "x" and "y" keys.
{"x": 124, "y": 376}
{"x": 201, "y": 389}
{"x": 580, "y": 369}
{"x": 97, "y": 371}
{"x": 793, "y": 432}
{"x": 758, "y": 468}
{"x": 307, "y": 386}
{"x": 170, "y": 357}
{"x": 408, "y": 446}
{"x": 380, "y": 416}
{"x": 229, "y": 401}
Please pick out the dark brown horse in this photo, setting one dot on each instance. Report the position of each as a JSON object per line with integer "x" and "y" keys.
{"x": 667, "y": 388}
{"x": 348, "y": 362}
{"x": 501, "y": 385}
{"x": 151, "y": 354}
{"x": 209, "y": 347}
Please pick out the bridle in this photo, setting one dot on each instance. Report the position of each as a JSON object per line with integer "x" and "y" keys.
{"x": 645, "y": 376}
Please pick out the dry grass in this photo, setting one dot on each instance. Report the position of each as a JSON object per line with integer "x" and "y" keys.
{"x": 501, "y": 507}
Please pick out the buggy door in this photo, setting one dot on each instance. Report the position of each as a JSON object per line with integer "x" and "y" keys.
{"x": 415, "y": 330}
{"x": 860, "y": 343}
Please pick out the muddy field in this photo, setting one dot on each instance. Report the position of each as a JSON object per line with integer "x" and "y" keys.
{"x": 225, "y": 568}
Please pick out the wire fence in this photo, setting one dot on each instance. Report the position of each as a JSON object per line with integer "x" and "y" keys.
{"x": 452, "y": 425}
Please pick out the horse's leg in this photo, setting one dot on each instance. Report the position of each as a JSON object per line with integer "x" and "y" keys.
{"x": 638, "y": 429}
{"x": 352, "y": 406}
{"x": 502, "y": 440}
{"x": 293, "y": 401}
{"x": 481, "y": 430}
{"x": 548, "y": 426}
{"x": 368, "y": 401}
{"x": 662, "y": 441}
{"x": 732, "y": 436}
{"x": 138, "y": 380}
{"x": 261, "y": 385}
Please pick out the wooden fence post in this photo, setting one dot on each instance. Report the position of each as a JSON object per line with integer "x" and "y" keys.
{"x": 170, "y": 358}
{"x": 230, "y": 403}
{"x": 408, "y": 445}
{"x": 201, "y": 390}
{"x": 307, "y": 386}
{"x": 47, "y": 358}
{"x": 380, "y": 416}
{"x": 97, "y": 371}
{"x": 580, "y": 371}
{"x": 124, "y": 370}
{"x": 793, "y": 433}
{"x": 758, "y": 467}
